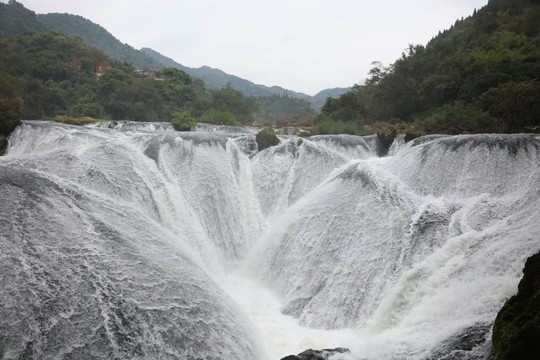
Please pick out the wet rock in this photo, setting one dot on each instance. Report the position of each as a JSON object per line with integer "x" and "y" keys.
{"x": 516, "y": 332}
{"x": 464, "y": 345}
{"x": 311, "y": 354}
{"x": 266, "y": 138}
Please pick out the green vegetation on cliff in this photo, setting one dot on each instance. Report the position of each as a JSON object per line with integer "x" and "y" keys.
{"x": 481, "y": 75}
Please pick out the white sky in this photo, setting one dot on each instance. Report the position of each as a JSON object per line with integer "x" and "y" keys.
{"x": 301, "y": 45}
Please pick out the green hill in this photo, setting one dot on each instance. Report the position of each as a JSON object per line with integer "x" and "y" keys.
{"x": 481, "y": 75}
{"x": 15, "y": 18}
{"x": 98, "y": 37}
{"x": 217, "y": 79}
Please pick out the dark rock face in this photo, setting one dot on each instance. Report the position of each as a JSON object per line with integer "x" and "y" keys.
{"x": 465, "y": 345}
{"x": 516, "y": 332}
{"x": 266, "y": 138}
{"x": 3, "y": 144}
{"x": 316, "y": 354}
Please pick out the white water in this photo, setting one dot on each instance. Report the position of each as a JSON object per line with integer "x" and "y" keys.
{"x": 136, "y": 241}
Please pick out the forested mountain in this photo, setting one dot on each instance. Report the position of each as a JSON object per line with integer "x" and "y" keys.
{"x": 481, "y": 75}
{"x": 38, "y": 67}
{"x": 96, "y": 36}
{"x": 146, "y": 58}
{"x": 321, "y": 96}
{"x": 15, "y": 18}
{"x": 216, "y": 79}
{"x": 42, "y": 76}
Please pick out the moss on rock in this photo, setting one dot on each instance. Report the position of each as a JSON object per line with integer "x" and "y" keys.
{"x": 516, "y": 332}
{"x": 266, "y": 138}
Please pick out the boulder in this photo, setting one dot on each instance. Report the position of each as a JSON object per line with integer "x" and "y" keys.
{"x": 266, "y": 138}
{"x": 311, "y": 354}
{"x": 516, "y": 332}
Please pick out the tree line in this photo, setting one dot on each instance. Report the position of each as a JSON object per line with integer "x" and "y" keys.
{"x": 35, "y": 67}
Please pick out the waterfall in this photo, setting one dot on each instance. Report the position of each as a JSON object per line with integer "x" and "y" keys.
{"x": 131, "y": 240}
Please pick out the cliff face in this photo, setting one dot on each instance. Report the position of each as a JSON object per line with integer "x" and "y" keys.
{"x": 516, "y": 332}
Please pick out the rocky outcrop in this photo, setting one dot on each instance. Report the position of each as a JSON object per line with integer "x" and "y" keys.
{"x": 266, "y": 138}
{"x": 316, "y": 354}
{"x": 516, "y": 332}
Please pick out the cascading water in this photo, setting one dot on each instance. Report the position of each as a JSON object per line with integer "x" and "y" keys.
{"x": 130, "y": 240}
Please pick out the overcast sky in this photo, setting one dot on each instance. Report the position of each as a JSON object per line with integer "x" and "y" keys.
{"x": 301, "y": 45}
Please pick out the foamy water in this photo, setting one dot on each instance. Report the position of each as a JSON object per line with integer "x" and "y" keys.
{"x": 135, "y": 241}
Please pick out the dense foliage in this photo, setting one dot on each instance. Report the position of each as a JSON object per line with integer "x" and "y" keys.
{"x": 35, "y": 67}
{"x": 232, "y": 101}
{"x": 98, "y": 37}
{"x": 276, "y": 107}
{"x": 481, "y": 75}
{"x": 15, "y": 18}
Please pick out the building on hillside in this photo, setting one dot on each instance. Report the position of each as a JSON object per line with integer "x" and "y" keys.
{"x": 102, "y": 67}
{"x": 75, "y": 63}
{"x": 147, "y": 72}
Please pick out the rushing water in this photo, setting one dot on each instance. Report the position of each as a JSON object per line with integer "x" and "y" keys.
{"x": 130, "y": 240}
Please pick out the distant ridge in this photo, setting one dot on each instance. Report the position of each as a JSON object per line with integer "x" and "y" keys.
{"x": 321, "y": 96}
{"x": 96, "y": 36}
{"x": 216, "y": 78}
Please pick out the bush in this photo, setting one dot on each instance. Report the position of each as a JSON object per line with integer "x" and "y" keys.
{"x": 219, "y": 117}
{"x": 8, "y": 122}
{"x": 328, "y": 126}
{"x": 183, "y": 121}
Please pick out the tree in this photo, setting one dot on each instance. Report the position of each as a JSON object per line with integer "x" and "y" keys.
{"x": 517, "y": 104}
{"x": 183, "y": 121}
{"x": 233, "y": 101}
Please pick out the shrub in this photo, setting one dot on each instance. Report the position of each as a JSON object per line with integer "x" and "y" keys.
{"x": 266, "y": 138}
{"x": 183, "y": 121}
{"x": 328, "y": 126}
{"x": 8, "y": 122}
{"x": 219, "y": 117}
